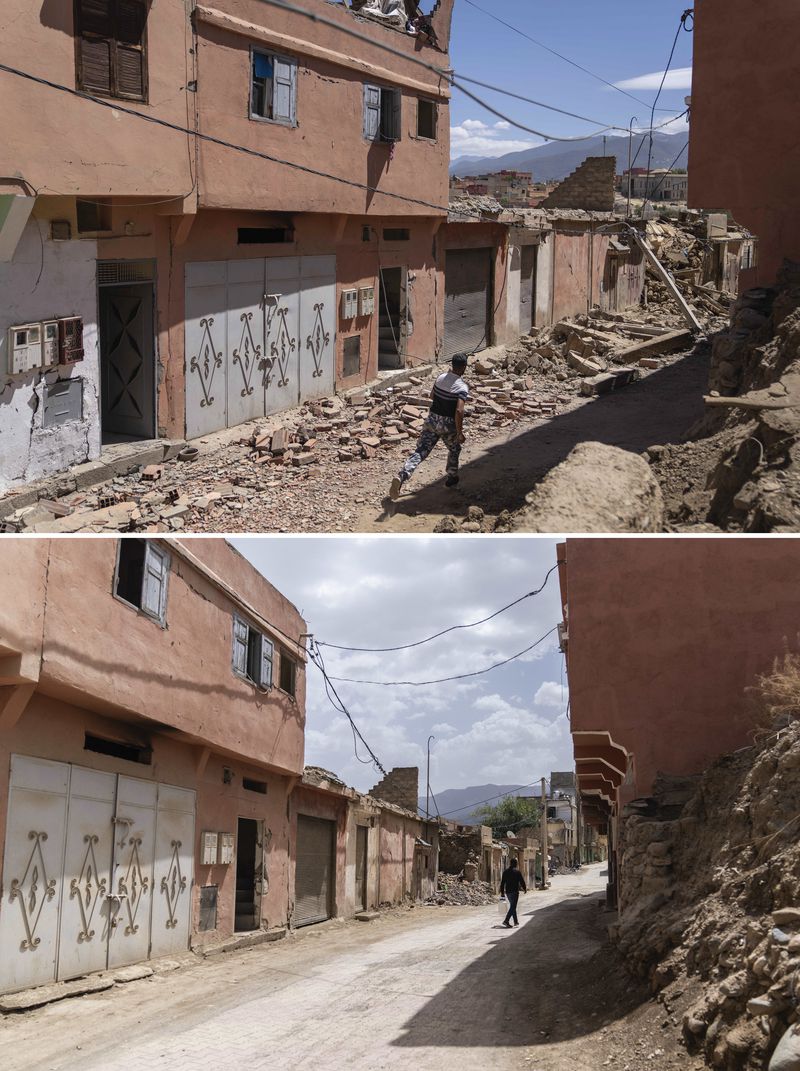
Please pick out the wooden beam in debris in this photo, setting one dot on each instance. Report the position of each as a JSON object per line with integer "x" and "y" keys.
{"x": 668, "y": 343}
{"x": 668, "y": 281}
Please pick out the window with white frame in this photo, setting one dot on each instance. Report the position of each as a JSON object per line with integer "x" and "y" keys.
{"x": 273, "y": 89}
{"x": 141, "y": 576}
{"x": 253, "y": 654}
{"x": 382, "y": 113}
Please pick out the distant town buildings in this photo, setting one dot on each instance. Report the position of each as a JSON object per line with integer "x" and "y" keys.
{"x": 511, "y": 189}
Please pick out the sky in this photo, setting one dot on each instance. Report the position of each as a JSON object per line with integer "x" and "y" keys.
{"x": 626, "y": 42}
{"x": 504, "y": 727}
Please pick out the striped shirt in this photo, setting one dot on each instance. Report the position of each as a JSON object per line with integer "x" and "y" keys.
{"x": 448, "y": 390}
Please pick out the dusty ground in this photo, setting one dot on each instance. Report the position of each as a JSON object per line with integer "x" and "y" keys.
{"x": 433, "y": 988}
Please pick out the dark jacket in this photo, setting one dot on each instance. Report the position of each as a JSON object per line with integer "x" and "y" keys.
{"x": 512, "y": 881}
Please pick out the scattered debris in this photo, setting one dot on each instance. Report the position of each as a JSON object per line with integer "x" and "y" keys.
{"x": 452, "y": 890}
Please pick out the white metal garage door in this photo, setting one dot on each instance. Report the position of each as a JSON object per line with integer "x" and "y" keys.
{"x": 97, "y": 872}
{"x": 314, "y": 870}
{"x": 260, "y": 337}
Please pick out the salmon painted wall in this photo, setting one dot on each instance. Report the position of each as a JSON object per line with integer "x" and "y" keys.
{"x": 744, "y": 154}
{"x": 118, "y": 153}
{"x": 665, "y": 635}
{"x": 21, "y": 607}
{"x": 396, "y": 857}
{"x": 101, "y": 652}
{"x": 492, "y": 236}
{"x": 584, "y": 274}
{"x": 330, "y": 118}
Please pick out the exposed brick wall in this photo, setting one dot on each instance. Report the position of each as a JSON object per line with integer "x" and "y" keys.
{"x": 590, "y": 186}
{"x": 400, "y": 786}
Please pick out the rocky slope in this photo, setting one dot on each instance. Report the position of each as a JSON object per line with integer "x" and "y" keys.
{"x": 711, "y": 902}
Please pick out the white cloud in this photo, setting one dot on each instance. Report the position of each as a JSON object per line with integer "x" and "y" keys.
{"x": 550, "y": 694}
{"x": 680, "y": 78}
{"x": 473, "y": 137}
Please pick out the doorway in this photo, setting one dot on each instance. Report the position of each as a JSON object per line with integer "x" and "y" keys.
{"x": 392, "y": 319}
{"x": 127, "y": 361}
{"x": 527, "y": 289}
{"x": 248, "y": 908}
{"x": 362, "y": 833}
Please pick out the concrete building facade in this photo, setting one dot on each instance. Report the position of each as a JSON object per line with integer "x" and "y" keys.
{"x": 300, "y": 183}
{"x": 151, "y": 730}
{"x": 742, "y": 151}
{"x": 658, "y": 682}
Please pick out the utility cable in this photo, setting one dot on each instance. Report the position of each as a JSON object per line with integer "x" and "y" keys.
{"x": 456, "y": 677}
{"x": 649, "y": 194}
{"x": 553, "y": 52}
{"x": 501, "y": 796}
{"x": 445, "y": 631}
{"x": 316, "y": 657}
{"x": 682, "y": 25}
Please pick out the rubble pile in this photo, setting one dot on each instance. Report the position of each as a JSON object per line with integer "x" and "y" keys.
{"x": 685, "y": 252}
{"x": 711, "y": 902}
{"x": 453, "y": 891}
{"x": 740, "y": 471}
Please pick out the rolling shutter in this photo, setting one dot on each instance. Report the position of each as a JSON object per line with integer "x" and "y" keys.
{"x": 314, "y": 873}
{"x": 468, "y": 274}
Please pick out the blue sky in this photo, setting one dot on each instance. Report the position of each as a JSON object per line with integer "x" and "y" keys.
{"x": 508, "y": 726}
{"x": 624, "y": 41}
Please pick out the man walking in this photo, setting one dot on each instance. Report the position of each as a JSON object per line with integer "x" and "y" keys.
{"x": 510, "y": 885}
{"x": 444, "y": 421}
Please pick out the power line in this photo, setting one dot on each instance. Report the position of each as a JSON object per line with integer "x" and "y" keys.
{"x": 336, "y": 701}
{"x": 688, "y": 14}
{"x": 501, "y": 796}
{"x": 553, "y": 52}
{"x": 651, "y": 193}
{"x": 444, "y": 680}
{"x": 444, "y": 632}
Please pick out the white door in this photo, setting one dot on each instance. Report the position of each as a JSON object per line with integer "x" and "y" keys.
{"x": 205, "y": 344}
{"x": 282, "y": 384}
{"x": 317, "y": 327}
{"x": 132, "y": 871}
{"x": 245, "y": 341}
{"x": 32, "y": 872}
{"x": 84, "y": 924}
{"x": 172, "y": 894}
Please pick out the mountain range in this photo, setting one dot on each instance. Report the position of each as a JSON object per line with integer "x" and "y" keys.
{"x": 555, "y": 160}
{"x": 459, "y": 803}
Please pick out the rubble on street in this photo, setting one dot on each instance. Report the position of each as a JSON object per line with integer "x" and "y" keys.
{"x": 453, "y": 891}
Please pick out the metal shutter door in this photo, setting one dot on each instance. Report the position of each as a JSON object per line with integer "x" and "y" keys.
{"x": 468, "y": 274}
{"x": 313, "y": 880}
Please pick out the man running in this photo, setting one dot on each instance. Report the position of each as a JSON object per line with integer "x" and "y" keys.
{"x": 444, "y": 421}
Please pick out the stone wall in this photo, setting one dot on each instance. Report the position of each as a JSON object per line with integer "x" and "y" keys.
{"x": 590, "y": 186}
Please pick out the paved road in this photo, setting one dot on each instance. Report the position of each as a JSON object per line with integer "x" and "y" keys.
{"x": 433, "y": 988}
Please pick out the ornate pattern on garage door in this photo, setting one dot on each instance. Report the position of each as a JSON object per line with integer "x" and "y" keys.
{"x": 260, "y": 337}
{"x": 97, "y": 872}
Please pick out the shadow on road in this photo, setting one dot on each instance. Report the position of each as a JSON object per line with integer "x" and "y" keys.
{"x": 554, "y": 978}
{"x": 656, "y": 410}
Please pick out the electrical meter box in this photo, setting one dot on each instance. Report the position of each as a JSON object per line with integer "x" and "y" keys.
{"x": 366, "y": 301}
{"x": 24, "y": 348}
{"x": 50, "y": 345}
{"x": 226, "y": 848}
{"x": 210, "y": 848}
{"x": 349, "y": 304}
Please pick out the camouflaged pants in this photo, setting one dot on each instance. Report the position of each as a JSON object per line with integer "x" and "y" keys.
{"x": 436, "y": 427}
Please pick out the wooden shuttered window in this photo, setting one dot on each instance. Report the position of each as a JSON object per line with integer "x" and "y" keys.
{"x": 274, "y": 88}
{"x": 382, "y": 113}
{"x": 111, "y": 47}
{"x": 252, "y": 654}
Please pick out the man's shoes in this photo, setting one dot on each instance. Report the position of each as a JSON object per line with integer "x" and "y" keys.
{"x": 507, "y": 925}
{"x": 394, "y": 490}
{"x": 516, "y": 924}
{"x": 451, "y": 481}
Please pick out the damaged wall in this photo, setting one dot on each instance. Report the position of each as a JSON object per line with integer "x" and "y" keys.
{"x": 47, "y": 280}
{"x": 590, "y": 186}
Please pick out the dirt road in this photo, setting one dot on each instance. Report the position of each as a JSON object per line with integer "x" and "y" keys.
{"x": 432, "y": 988}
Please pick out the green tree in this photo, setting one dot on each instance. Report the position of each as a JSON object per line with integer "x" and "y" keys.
{"x": 511, "y": 813}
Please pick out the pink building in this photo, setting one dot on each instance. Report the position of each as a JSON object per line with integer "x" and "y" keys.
{"x": 151, "y": 730}
{"x": 663, "y": 637}
{"x": 212, "y": 212}
{"x": 743, "y": 154}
